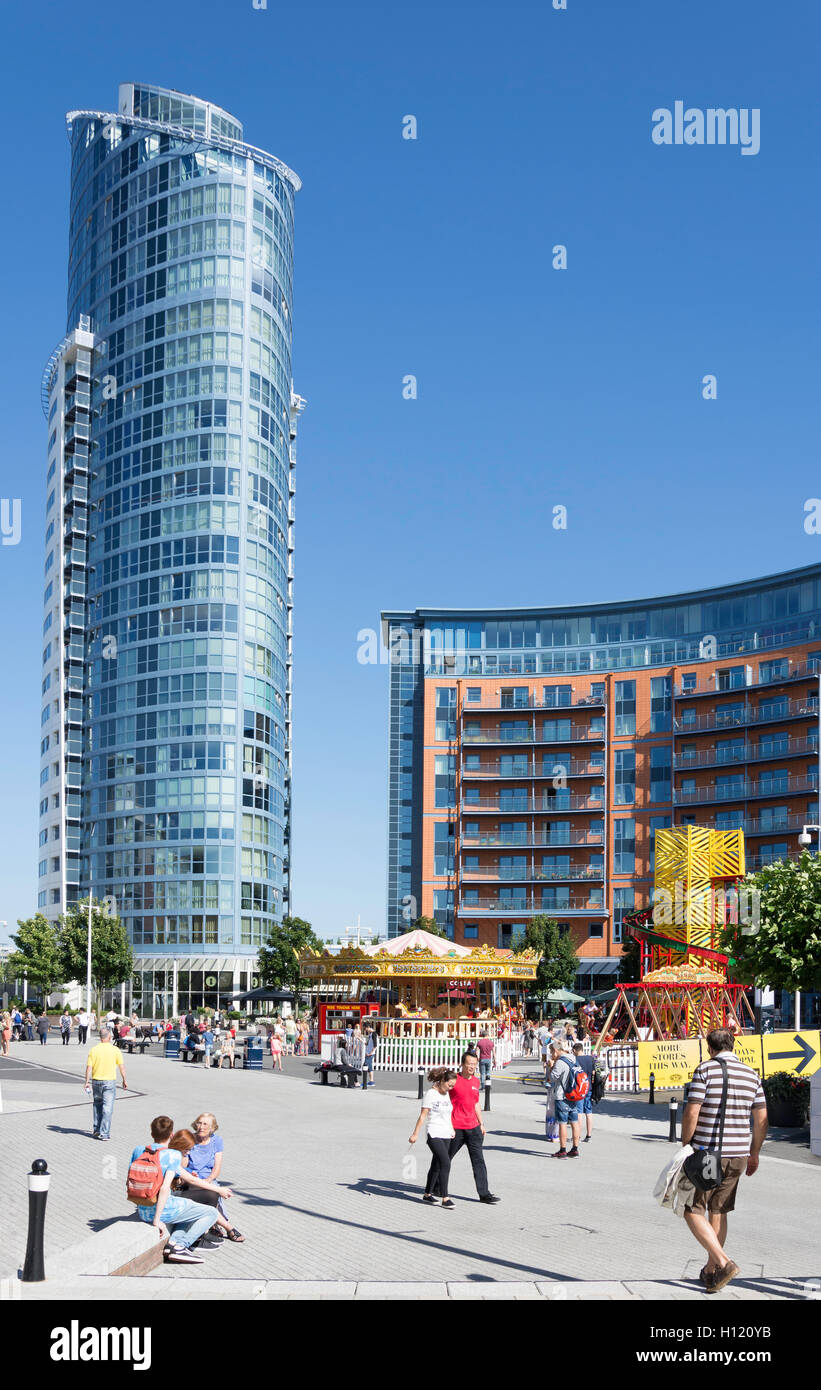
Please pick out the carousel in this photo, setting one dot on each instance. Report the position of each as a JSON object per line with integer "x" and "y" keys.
{"x": 426, "y": 996}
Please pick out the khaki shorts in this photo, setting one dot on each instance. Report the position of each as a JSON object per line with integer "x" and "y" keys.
{"x": 721, "y": 1199}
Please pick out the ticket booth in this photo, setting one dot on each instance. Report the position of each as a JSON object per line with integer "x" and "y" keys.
{"x": 335, "y": 1018}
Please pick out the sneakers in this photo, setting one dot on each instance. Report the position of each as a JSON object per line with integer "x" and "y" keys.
{"x": 574, "y": 1152}
{"x": 179, "y": 1255}
{"x": 490, "y": 1199}
{"x": 560, "y": 1153}
{"x": 430, "y": 1199}
{"x": 447, "y": 1203}
{"x": 587, "y": 1138}
{"x": 206, "y": 1243}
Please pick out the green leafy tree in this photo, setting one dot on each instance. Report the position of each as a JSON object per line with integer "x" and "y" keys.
{"x": 559, "y": 963}
{"x": 112, "y": 959}
{"x": 782, "y": 950}
{"x": 37, "y": 954}
{"x": 278, "y": 958}
{"x": 429, "y": 925}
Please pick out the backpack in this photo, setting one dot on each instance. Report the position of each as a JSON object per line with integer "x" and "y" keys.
{"x": 145, "y": 1178}
{"x": 578, "y": 1083}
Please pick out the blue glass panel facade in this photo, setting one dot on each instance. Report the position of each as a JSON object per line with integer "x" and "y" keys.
{"x": 181, "y": 267}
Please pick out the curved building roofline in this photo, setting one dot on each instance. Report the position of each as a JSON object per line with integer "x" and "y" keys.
{"x": 221, "y": 142}
{"x": 659, "y": 600}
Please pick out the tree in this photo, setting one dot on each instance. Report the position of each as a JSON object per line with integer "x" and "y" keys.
{"x": 112, "y": 959}
{"x": 783, "y": 949}
{"x": 429, "y": 925}
{"x": 37, "y": 954}
{"x": 278, "y": 958}
{"x": 558, "y": 966}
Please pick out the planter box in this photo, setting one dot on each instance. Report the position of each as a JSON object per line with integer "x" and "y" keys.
{"x": 784, "y": 1113}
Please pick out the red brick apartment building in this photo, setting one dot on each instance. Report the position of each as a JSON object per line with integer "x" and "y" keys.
{"x": 534, "y": 753}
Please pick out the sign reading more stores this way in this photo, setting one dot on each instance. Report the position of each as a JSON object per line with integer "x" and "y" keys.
{"x": 674, "y": 1062}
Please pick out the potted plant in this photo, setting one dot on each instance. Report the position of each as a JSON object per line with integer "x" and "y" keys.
{"x": 788, "y": 1099}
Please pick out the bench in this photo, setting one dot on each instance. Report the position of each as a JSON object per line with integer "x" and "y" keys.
{"x": 131, "y": 1043}
{"x": 198, "y": 1053}
{"x": 348, "y": 1076}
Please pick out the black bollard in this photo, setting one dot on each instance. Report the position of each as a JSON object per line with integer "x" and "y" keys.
{"x": 364, "y": 1078}
{"x": 421, "y": 1086}
{"x": 34, "y": 1271}
{"x": 652, "y": 1099}
{"x": 673, "y": 1117}
{"x": 487, "y": 1094}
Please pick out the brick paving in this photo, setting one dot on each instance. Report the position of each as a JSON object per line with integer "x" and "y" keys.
{"x": 327, "y": 1193}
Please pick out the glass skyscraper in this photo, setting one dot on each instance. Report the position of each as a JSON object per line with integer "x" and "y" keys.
{"x": 166, "y": 680}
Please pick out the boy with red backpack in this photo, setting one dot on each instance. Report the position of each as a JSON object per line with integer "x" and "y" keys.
{"x": 569, "y": 1085}
{"x": 151, "y": 1171}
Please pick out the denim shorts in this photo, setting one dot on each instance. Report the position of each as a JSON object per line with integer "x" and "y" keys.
{"x": 566, "y": 1111}
{"x": 585, "y": 1105}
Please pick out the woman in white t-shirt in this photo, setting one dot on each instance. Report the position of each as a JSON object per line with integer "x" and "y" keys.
{"x": 438, "y": 1111}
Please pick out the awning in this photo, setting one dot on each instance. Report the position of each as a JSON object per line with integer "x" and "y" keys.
{"x": 599, "y": 965}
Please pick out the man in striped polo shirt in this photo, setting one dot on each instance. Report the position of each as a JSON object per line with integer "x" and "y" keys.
{"x": 707, "y": 1218}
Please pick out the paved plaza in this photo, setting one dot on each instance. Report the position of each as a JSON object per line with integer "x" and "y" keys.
{"x": 327, "y": 1193}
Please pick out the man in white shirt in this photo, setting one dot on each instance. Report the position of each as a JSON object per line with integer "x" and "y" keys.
{"x": 83, "y": 1021}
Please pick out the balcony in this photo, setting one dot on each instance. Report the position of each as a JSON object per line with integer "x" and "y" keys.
{"x": 568, "y": 904}
{"x": 78, "y": 432}
{"x": 749, "y": 753}
{"x": 528, "y": 805}
{"x": 726, "y": 684}
{"x": 574, "y": 767}
{"x": 74, "y": 712}
{"x": 738, "y": 719}
{"x": 507, "y": 702}
{"x": 573, "y": 733}
{"x": 571, "y": 838}
{"x": 757, "y": 861}
{"x": 496, "y": 873}
{"x": 745, "y": 790}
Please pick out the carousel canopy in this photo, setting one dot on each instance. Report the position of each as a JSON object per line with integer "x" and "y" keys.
{"x": 418, "y": 941}
{"x": 418, "y": 954}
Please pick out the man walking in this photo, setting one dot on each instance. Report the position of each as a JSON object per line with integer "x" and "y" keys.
{"x": 370, "y": 1053}
{"x": 467, "y": 1125}
{"x": 486, "y": 1049}
{"x": 707, "y": 1219}
{"x": 101, "y": 1079}
{"x": 42, "y": 1028}
{"x": 561, "y": 1075}
{"x": 587, "y": 1063}
{"x": 82, "y": 1026}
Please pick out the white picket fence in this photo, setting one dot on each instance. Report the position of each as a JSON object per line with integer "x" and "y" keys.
{"x": 420, "y": 1054}
{"x": 623, "y": 1064}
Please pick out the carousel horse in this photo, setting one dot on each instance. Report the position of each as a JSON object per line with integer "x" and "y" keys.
{"x": 411, "y": 1013}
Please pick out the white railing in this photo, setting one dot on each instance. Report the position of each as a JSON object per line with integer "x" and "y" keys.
{"x": 420, "y": 1054}
{"x": 623, "y": 1063}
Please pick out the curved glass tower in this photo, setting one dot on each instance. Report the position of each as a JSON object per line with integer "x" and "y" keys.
{"x": 172, "y": 421}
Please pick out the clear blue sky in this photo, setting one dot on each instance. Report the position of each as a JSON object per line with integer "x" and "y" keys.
{"x": 433, "y": 257}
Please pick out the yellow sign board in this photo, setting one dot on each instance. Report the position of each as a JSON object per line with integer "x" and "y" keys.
{"x": 673, "y": 1063}
{"x": 797, "y": 1053}
{"x": 747, "y": 1048}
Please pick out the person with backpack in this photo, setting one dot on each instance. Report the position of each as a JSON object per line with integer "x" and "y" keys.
{"x": 569, "y": 1085}
{"x": 587, "y": 1063}
{"x": 151, "y": 1171}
